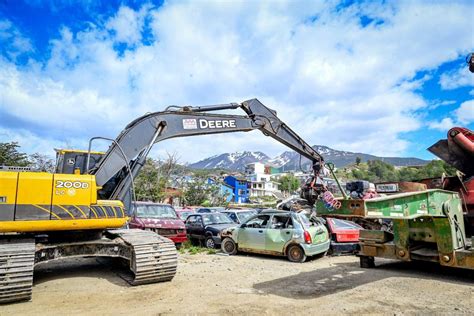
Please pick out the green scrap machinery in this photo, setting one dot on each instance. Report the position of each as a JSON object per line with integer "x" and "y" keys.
{"x": 426, "y": 226}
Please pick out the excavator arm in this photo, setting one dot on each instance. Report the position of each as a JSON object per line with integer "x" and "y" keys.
{"x": 132, "y": 146}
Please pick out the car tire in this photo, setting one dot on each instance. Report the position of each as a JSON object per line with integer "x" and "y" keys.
{"x": 194, "y": 241}
{"x": 367, "y": 262}
{"x": 209, "y": 243}
{"x": 296, "y": 254}
{"x": 229, "y": 246}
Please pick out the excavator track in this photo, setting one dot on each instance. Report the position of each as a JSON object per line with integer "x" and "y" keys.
{"x": 17, "y": 259}
{"x": 154, "y": 258}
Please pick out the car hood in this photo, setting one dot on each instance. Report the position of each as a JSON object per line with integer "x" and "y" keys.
{"x": 163, "y": 222}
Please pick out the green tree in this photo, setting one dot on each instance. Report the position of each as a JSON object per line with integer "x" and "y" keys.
{"x": 41, "y": 162}
{"x": 10, "y": 156}
{"x": 197, "y": 191}
{"x": 289, "y": 183}
{"x": 436, "y": 168}
{"x": 381, "y": 171}
{"x": 358, "y": 160}
{"x": 149, "y": 186}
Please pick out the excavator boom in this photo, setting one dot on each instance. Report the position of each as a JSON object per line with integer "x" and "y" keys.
{"x": 134, "y": 143}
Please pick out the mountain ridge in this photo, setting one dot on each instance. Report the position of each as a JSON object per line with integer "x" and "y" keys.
{"x": 290, "y": 160}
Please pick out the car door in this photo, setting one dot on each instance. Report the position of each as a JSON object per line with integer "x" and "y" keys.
{"x": 279, "y": 232}
{"x": 190, "y": 225}
{"x": 199, "y": 228}
{"x": 252, "y": 235}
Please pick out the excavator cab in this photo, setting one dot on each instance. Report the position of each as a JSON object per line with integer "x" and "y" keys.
{"x": 71, "y": 161}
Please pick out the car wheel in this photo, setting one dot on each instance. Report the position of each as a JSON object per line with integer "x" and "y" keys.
{"x": 296, "y": 254}
{"x": 210, "y": 243}
{"x": 229, "y": 246}
{"x": 194, "y": 241}
{"x": 367, "y": 262}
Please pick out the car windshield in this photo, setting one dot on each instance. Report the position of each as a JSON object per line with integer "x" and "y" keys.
{"x": 216, "y": 218}
{"x": 244, "y": 216}
{"x": 185, "y": 214}
{"x": 156, "y": 211}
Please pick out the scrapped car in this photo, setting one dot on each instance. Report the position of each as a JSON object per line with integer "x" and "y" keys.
{"x": 183, "y": 213}
{"x": 344, "y": 235}
{"x": 239, "y": 215}
{"x": 279, "y": 233}
{"x": 207, "y": 227}
{"x": 160, "y": 218}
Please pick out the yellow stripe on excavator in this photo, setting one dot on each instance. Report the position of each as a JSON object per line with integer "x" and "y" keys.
{"x": 53, "y": 225}
{"x": 47, "y": 211}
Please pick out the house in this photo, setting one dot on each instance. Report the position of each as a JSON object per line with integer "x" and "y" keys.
{"x": 240, "y": 188}
{"x": 227, "y": 191}
{"x": 261, "y": 180}
{"x": 224, "y": 189}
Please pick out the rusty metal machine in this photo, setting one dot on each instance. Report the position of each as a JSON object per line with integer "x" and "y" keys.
{"x": 428, "y": 225}
{"x": 458, "y": 151}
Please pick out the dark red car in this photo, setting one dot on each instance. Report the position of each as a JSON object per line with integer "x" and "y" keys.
{"x": 184, "y": 212}
{"x": 344, "y": 235}
{"x": 160, "y": 218}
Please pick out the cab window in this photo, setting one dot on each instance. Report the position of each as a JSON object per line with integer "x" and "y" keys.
{"x": 191, "y": 220}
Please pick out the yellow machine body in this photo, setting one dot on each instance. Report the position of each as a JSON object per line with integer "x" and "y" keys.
{"x": 40, "y": 202}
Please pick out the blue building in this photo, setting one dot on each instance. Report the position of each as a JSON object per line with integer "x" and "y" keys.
{"x": 240, "y": 188}
{"x": 224, "y": 189}
{"x": 227, "y": 191}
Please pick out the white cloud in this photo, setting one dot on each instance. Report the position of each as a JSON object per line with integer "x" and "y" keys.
{"x": 462, "y": 116}
{"x": 465, "y": 113}
{"x": 127, "y": 24}
{"x": 443, "y": 125}
{"x": 458, "y": 78}
{"x": 12, "y": 41}
{"x": 332, "y": 80}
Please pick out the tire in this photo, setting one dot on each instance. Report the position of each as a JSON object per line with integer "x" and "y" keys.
{"x": 295, "y": 254}
{"x": 367, "y": 262}
{"x": 209, "y": 243}
{"x": 194, "y": 241}
{"x": 229, "y": 246}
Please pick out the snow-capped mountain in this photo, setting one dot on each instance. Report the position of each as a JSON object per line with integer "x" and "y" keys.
{"x": 343, "y": 158}
{"x": 232, "y": 161}
{"x": 290, "y": 160}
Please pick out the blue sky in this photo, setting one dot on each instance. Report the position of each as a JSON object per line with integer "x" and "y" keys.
{"x": 387, "y": 78}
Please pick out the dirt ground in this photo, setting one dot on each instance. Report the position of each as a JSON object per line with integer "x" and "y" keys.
{"x": 252, "y": 284}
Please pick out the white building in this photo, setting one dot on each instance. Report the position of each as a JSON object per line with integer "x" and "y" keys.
{"x": 261, "y": 181}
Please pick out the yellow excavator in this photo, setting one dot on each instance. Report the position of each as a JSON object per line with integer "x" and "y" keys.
{"x": 79, "y": 210}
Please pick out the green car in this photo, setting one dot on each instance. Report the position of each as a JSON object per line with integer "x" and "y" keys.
{"x": 277, "y": 233}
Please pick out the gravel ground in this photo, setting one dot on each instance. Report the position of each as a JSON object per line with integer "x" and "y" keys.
{"x": 252, "y": 284}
